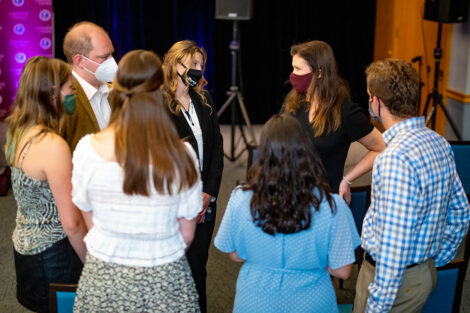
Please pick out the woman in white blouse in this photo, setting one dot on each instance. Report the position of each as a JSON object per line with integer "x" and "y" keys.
{"x": 139, "y": 189}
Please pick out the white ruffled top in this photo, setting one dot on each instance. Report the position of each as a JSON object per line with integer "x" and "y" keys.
{"x": 129, "y": 230}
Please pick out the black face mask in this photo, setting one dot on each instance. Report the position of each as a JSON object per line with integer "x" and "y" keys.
{"x": 193, "y": 76}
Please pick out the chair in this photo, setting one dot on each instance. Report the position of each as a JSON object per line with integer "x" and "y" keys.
{"x": 447, "y": 295}
{"x": 360, "y": 201}
{"x": 252, "y": 155}
{"x": 61, "y": 297}
{"x": 345, "y": 308}
{"x": 462, "y": 156}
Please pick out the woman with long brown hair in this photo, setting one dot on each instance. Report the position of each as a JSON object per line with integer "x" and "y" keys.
{"x": 285, "y": 225}
{"x": 139, "y": 190}
{"x": 320, "y": 101}
{"x": 193, "y": 112}
{"x": 48, "y": 237}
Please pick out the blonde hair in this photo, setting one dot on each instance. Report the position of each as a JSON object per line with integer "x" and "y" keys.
{"x": 327, "y": 86}
{"x": 37, "y": 101}
{"x": 177, "y": 54}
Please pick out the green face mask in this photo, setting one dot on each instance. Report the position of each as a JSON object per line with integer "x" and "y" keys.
{"x": 70, "y": 103}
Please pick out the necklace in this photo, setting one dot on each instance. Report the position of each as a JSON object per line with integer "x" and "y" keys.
{"x": 188, "y": 113}
{"x": 185, "y": 102}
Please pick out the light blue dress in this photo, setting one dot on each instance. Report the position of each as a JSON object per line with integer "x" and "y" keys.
{"x": 287, "y": 272}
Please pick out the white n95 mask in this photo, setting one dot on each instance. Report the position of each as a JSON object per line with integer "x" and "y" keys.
{"x": 106, "y": 71}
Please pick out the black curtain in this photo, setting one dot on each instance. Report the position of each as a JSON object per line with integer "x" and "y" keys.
{"x": 265, "y": 62}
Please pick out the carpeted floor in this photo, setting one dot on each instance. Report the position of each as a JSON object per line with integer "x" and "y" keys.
{"x": 222, "y": 273}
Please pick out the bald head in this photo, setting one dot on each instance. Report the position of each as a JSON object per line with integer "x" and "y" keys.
{"x": 86, "y": 46}
{"x": 80, "y": 39}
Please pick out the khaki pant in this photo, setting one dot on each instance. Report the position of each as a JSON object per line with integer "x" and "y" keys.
{"x": 418, "y": 283}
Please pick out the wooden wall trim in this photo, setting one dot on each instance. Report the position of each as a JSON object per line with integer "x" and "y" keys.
{"x": 457, "y": 96}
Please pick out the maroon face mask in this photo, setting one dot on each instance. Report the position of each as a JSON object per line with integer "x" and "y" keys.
{"x": 301, "y": 82}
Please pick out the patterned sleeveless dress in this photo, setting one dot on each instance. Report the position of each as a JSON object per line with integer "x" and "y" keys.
{"x": 42, "y": 253}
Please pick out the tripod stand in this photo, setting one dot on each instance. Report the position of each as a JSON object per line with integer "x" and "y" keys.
{"x": 419, "y": 59}
{"x": 234, "y": 97}
{"x": 435, "y": 96}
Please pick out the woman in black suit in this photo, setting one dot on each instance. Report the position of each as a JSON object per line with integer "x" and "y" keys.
{"x": 193, "y": 112}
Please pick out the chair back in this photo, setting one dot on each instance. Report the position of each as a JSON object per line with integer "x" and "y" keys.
{"x": 442, "y": 298}
{"x": 360, "y": 201}
{"x": 61, "y": 297}
{"x": 461, "y": 151}
{"x": 345, "y": 308}
{"x": 447, "y": 295}
{"x": 252, "y": 155}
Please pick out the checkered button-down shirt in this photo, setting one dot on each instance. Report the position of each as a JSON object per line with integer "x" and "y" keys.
{"x": 418, "y": 209}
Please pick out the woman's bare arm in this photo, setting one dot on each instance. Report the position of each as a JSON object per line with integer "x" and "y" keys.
{"x": 56, "y": 158}
{"x": 187, "y": 229}
{"x": 375, "y": 144}
{"x": 342, "y": 272}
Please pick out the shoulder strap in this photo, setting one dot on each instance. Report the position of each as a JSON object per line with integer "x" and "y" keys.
{"x": 25, "y": 148}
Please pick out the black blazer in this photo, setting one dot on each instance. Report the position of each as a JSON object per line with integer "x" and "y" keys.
{"x": 213, "y": 154}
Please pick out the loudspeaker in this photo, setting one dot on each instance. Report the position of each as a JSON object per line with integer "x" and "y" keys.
{"x": 238, "y": 10}
{"x": 446, "y": 11}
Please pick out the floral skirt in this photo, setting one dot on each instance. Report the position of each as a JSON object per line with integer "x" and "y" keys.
{"x": 111, "y": 287}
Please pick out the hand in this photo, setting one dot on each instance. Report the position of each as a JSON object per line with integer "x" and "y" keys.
{"x": 201, "y": 218}
{"x": 206, "y": 201}
{"x": 345, "y": 191}
{"x": 328, "y": 269}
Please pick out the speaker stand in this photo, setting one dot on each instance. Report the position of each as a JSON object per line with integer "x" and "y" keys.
{"x": 435, "y": 96}
{"x": 235, "y": 97}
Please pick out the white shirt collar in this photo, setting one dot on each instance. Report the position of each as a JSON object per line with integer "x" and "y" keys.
{"x": 90, "y": 91}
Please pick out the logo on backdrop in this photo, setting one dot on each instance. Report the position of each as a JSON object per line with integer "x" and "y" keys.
{"x": 45, "y": 43}
{"x": 19, "y": 29}
{"x": 18, "y": 3}
{"x": 25, "y": 30}
{"x": 45, "y": 15}
{"x": 20, "y": 57}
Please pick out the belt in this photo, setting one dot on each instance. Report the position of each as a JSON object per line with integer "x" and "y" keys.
{"x": 372, "y": 262}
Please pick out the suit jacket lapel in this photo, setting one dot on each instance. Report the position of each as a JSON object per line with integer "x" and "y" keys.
{"x": 182, "y": 121}
{"x": 82, "y": 98}
{"x": 199, "y": 107}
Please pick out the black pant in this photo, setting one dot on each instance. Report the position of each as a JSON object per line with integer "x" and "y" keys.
{"x": 57, "y": 264}
{"x": 198, "y": 254}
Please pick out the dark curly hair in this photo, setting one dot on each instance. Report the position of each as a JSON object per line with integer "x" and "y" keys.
{"x": 287, "y": 178}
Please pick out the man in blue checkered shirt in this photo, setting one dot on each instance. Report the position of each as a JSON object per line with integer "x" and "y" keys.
{"x": 419, "y": 212}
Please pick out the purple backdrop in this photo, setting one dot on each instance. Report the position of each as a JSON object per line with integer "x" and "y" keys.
{"x": 26, "y": 30}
